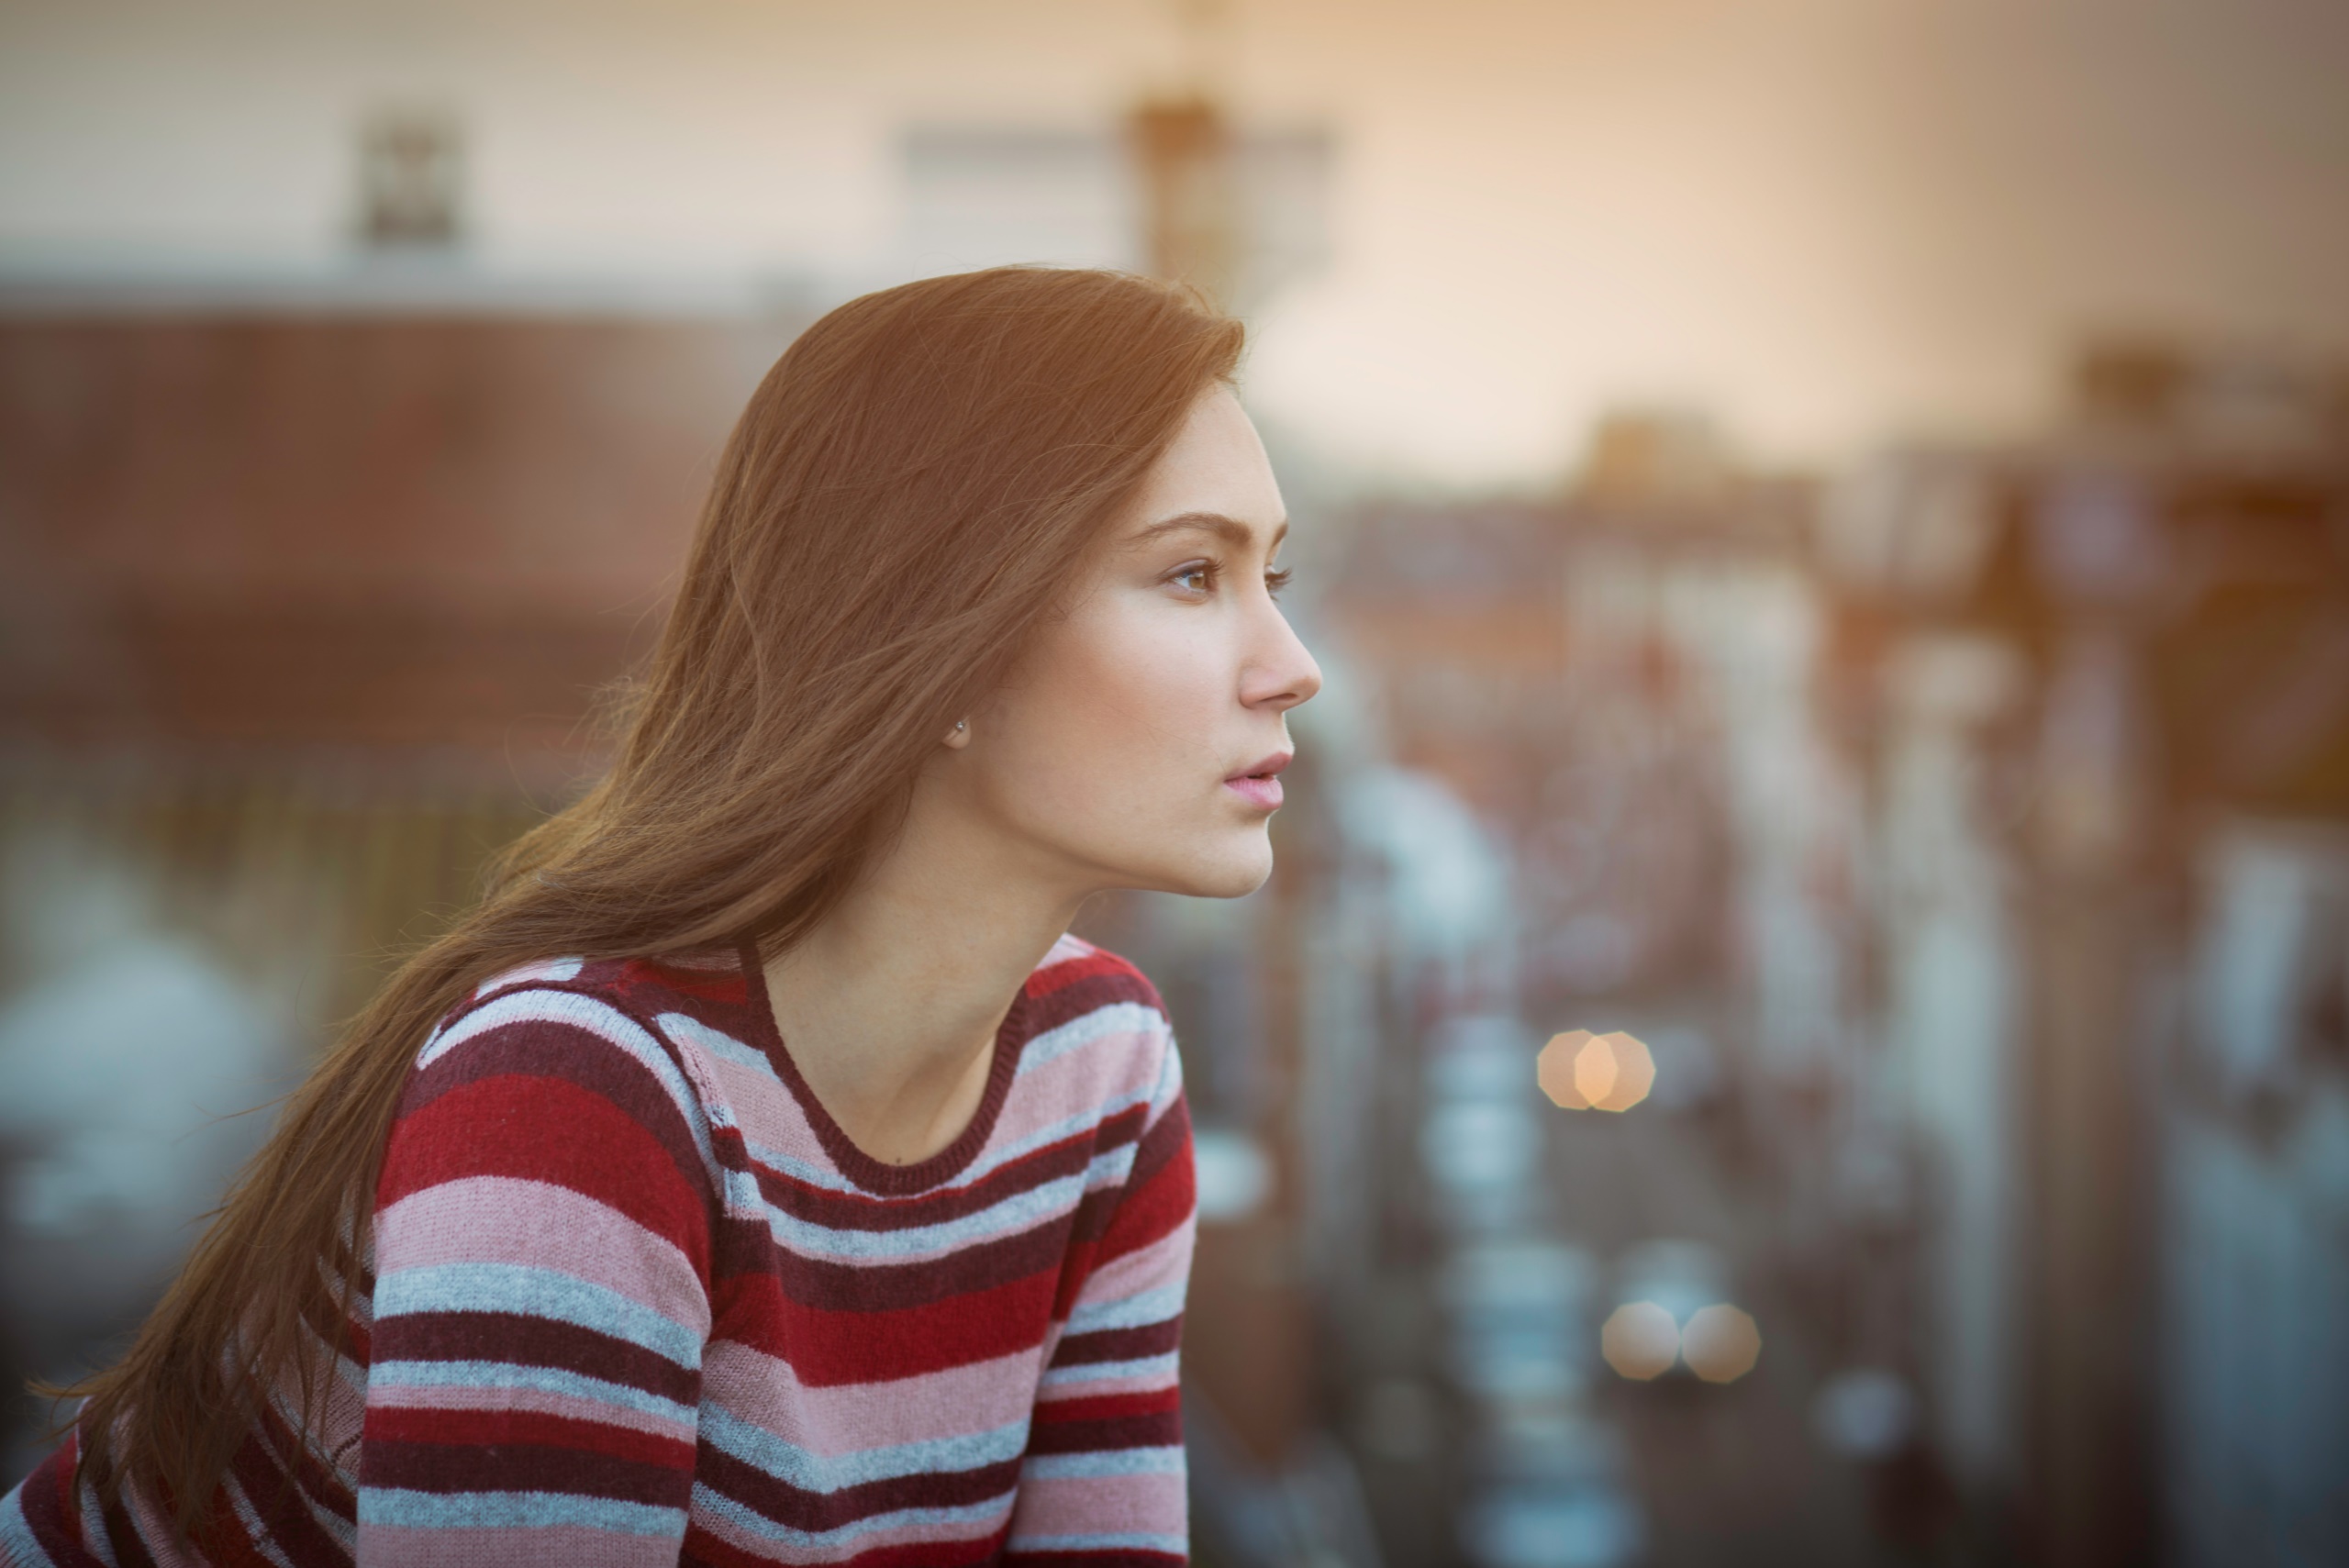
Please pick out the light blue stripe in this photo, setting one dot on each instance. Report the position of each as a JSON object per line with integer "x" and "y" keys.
{"x": 686, "y": 1029}
{"x": 1170, "y": 1079}
{"x": 1104, "y": 1540}
{"x": 535, "y": 1379}
{"x": 980, "y": 1515}
{"x": 742, "y": 1196}
{"x": 1097, "y": 1371}
{"x": 1143, "y": 1306}
{"x": 1068, "y": 1127}
{"x": 799, "y": 1170}
{"x": 536, "y": 1293}
{"x": 1128, "y": 1017}
{"x": 554, "y": 971}
{"x": 515, "y": 1510}
{"x": 1009, "y": 1217}
{"x": 599, "y": 1019}
{"x": 763, "y": 1450}
{"x": 1092, "y": 1466}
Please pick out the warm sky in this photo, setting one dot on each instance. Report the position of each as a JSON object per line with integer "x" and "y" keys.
{"x": 1826, "y": 221}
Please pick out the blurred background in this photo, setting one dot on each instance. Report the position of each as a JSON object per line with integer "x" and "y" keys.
{"x": 1803, "y": 1012}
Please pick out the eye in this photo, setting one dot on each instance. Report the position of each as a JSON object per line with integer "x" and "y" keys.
{"x": 1274, "y": 581}
{"x": 1196, "y": 577}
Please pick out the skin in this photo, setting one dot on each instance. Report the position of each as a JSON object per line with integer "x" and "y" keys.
{"x": 1101, "y": 764}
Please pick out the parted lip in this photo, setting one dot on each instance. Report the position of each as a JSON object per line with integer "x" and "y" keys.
{"x": 1264, "y": 769}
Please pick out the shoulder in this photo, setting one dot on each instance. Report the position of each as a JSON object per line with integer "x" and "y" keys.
{"x": 550, "y": 1054}
{"x": 1077, "y": 975}
{"x": 562, "y": 1018}
{"x": 1091, "y": 1015}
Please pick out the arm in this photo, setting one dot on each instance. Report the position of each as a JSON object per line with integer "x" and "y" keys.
{"x": 1102, "y": 1485}
{"x": 543, "y": 1238}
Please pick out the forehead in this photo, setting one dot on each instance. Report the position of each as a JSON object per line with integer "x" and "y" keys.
{"x": 1216, "y": 464}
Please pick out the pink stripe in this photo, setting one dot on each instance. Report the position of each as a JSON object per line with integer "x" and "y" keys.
{"x": 764, "y": 1108}
{"x": 1153, "y": 1503}
{"x": 1119, "y": 1065}
{"x": 389, "y": 1395}
{"x": 504, "y": 1219}
{"x": 1164, "y": 1261}
{"x": 389, "y": 1546}
{"x": 766, "y": 1392}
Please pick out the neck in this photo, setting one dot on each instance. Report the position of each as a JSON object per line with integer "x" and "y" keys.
{"x": 889, "y": 1008}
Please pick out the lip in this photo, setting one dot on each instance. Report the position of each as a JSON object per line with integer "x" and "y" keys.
{"x": 1259, "y": 784}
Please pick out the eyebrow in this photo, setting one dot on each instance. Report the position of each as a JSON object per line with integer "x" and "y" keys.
{"x": 1231, "y": 530}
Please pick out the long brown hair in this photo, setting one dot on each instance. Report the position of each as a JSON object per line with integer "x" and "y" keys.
{"x": 911, "y": 487}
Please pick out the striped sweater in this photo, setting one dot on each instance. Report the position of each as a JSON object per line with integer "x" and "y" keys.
{"x": 635, "y": 1299}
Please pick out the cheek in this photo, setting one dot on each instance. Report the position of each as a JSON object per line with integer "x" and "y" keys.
{"x": 1122, "y": 710}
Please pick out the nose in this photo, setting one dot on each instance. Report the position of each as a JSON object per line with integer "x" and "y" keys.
{"x": 1282, "y": 672}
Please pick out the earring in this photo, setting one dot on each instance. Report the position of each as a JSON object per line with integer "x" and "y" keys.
{"x": 960, "y": 724}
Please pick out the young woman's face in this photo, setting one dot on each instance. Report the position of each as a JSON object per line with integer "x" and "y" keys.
{"x": 1139, "y": 742}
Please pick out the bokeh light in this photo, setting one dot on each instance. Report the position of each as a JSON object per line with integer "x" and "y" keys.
{"x": 1554, "y": 1069}
{"x": 1640, "y": 1341}
{"x": 1721, "y": 1343}
{"x": 1580, "y": 1070}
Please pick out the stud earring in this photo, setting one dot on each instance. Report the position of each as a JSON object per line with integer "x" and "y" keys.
{"x": 960, "y": 724}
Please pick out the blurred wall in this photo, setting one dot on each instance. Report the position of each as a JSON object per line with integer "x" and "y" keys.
{"x": 339, "y": 530}
{"x": 1826, "y": 219}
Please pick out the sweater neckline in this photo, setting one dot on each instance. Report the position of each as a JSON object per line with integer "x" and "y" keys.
{"x": 872, "y": 1174}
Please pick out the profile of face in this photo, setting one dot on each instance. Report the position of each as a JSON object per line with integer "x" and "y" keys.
{"x": 1138, "y": 743}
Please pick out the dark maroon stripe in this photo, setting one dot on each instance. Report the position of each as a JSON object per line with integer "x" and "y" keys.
{"x": 527, "y": 1340}
{"x": 551, "y": 1048}
{"x": 46, "y": 1499}
{"x": 130, "y": 1546}
{"x": 1162, "y": 1143}
{"x": 829, "y": 1286}
{"x": 847, "y": 1211}
{"x": 277, "y": 1498}
{"x": 1119, "y": 1559}
{"x": 319, "y": 1316}
{"x": 796, "y": 1508}
{"x": 456, "y": 1468}
{"x": 855, "y": 1211}
{"x": 1073, "y": 1001}
{"x": 1093, "y": 1215}
{"x": 1159, "y": 1429}
{"x": 1119, "y": 1344}
{"x": 703, "y": 1549}
{"x": 312, "y": 1473}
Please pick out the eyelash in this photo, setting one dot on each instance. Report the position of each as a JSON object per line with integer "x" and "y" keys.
{"x": 1273, "y": 580}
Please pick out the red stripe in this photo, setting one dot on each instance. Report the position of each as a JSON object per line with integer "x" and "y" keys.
{"x": 547, "y": 1129}
{"x": 1152, "y": 1211}
{"x": 1109, "y": 1406}
{"x": 403, "y": 1423}
{"x": 832, "y": 1349}
{"x": 1094, "y": 965}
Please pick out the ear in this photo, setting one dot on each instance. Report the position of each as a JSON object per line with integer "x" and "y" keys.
{"x": 959, "y": 736}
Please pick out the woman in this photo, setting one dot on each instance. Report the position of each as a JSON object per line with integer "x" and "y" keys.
{"x": 761, "y": 1173}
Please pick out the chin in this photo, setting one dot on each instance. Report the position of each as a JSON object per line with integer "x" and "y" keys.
{"x": 1227, "y": 870}
{"x": 1236, "y": 873}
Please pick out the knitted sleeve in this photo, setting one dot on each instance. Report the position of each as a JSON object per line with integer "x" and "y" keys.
{"x": 1102, "y": 1484}
{"x": 542, "y": 1238}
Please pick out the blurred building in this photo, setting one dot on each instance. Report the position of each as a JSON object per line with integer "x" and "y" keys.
{"x": 1961, "y": 838}
{"x": 306, "y": 600}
